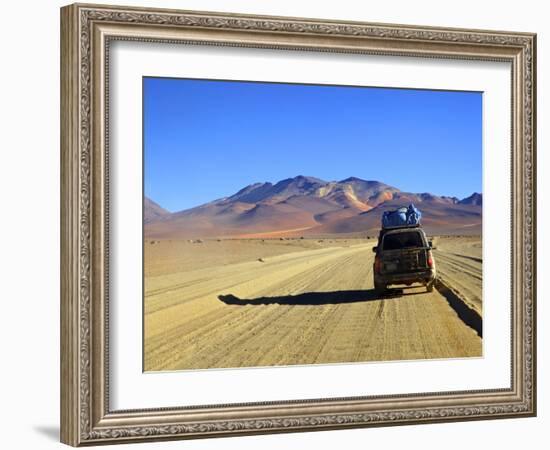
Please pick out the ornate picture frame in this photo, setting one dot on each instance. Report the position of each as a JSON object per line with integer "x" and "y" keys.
{"x": 87, "y": 32}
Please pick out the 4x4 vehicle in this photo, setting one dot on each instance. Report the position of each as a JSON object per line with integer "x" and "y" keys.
{"x": 403, "y": 257}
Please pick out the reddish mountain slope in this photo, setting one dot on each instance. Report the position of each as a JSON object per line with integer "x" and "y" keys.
{"x": 152, "y": 211}
{"x": 310, "y": 206}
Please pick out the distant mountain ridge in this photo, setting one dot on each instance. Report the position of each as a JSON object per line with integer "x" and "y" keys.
{"x": 310, "y": 206}
{"x": 153, "y": 211}
{"x": 474, "y": 199}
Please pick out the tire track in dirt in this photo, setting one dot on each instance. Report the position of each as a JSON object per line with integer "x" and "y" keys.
{"x": 309, "y": 323}
{"x": 241, "y": 278}
{"x": 275, "y": 318}
{"x": 196, "y": 329}
{"x": 248, "y": 344}
{"x": 462, "y": 275}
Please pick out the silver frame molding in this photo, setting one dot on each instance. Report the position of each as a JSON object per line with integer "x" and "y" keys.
{"x": 86, "y": 33}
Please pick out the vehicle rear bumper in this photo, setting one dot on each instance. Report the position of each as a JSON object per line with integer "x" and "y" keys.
{"x": 424, "y": 276}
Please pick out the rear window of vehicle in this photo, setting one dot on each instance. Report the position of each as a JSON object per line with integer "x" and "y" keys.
{"x": 403, "y": 240}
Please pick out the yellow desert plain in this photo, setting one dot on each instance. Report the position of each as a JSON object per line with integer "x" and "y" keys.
{"x": 228, "y": 303}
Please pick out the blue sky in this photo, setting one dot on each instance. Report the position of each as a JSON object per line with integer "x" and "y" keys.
{"x": 206, "y": 139}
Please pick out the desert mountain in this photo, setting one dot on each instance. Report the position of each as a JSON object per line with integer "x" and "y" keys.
{"x": 474, "y": 199}
{"x": 311, "y": 206}
{"x": 152, "y": 211}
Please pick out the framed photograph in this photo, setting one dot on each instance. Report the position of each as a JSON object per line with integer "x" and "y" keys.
{"x": 274, "y": 224}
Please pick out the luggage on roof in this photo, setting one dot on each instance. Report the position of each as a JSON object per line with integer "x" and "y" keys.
{"x": 401, "y": 217}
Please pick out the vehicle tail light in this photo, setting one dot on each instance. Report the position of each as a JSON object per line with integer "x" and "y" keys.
{"x": 430, "y": 260}
{"x": 377, "y": 264}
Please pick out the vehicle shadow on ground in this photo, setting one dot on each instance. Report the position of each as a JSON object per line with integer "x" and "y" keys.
{"x": 314, "y": 298}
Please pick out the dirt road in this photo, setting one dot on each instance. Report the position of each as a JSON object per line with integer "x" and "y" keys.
{"x": 291, "y": 309}
{"x": 460, "y": 265}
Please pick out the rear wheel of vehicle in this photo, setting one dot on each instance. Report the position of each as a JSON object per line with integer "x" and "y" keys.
{"x": 379, "y": 288}
{"x": 430, "y": 286}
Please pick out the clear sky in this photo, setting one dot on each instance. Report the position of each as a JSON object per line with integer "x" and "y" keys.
{"x": 205, "y": 140}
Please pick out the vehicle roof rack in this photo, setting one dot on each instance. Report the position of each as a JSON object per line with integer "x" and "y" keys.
{"x": 400, "y": 227}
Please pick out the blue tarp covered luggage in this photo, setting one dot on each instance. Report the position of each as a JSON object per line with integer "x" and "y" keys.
{"x": 402, "y": 217}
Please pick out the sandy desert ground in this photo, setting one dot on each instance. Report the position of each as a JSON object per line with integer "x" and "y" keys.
{"x": 459, "y": 262}
{"x": 253, "y": 302}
